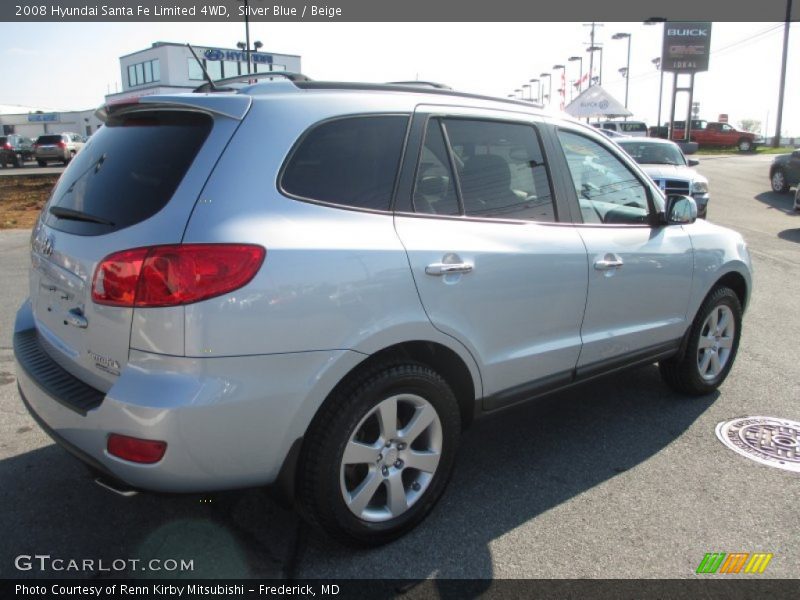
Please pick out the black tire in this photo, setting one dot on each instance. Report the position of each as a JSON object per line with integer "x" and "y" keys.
{"x": 321, "y": 498}
{"x": 744, "y": 145}
{"x": 682, "y": 372}
{"x": 41, "y": 163}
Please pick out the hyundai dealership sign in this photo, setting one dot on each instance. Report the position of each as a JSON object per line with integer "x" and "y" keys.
{"x": 686, "y": 47}
{"x": 237, "y": 55}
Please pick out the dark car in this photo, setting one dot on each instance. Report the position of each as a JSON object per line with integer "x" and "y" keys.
{"x": 784, "y": 172}
{"x": 15, "y": 150}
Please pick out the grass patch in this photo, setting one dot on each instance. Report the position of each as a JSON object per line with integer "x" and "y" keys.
{"x": 759, "y": 150}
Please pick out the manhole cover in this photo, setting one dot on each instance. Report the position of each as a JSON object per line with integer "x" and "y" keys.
{"x": 770, "y": 441}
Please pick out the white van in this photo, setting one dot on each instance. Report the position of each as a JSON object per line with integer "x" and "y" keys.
{"x": 632, "y": 128}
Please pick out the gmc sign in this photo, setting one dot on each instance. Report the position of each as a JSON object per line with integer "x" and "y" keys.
{"x": 686, "y": 47}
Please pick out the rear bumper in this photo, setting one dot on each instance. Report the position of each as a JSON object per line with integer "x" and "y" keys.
{"x": 228, "y": 422}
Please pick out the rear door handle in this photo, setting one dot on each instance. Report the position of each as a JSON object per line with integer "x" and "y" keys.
{"x": 439, "y": 269}
{"x": 610, "y": 261}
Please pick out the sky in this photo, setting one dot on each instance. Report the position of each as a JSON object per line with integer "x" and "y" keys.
{"x": 81, "y": 65}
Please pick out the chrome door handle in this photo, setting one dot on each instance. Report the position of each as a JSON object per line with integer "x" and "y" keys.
{"x": 75, "y": 318}
{"x": 607, "y": 263}
{"x": 439, "y": 269}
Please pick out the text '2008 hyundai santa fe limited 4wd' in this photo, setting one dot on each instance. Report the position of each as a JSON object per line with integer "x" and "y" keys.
{"x": 319, "y": 285}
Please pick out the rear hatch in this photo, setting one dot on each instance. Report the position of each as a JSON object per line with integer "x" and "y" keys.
{"x": 48, "y": 145}
{"x": 133, "y": 185}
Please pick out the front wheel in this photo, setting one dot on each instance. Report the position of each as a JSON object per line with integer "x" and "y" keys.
{"x": 379, "y": 454}
{"x": 797, "y": 198}
{"x": 745, "y": 145}
{"x": 711, "y": 346}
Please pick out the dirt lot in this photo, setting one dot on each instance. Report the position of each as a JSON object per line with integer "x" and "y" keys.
{"x": 21, "y": 199}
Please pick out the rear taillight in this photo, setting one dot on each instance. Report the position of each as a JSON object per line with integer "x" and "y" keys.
{"x": 62, "y": 145}
{"x": 135, "y": 450}
{"x": 7, "y": 146}
{"x": 174, "y": 275}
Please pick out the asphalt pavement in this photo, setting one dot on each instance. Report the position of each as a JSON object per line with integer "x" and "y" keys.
{"x": 620, "y": 478}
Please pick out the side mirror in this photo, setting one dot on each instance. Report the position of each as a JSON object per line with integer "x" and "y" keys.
{"x": 693, "y": 162}
{"x": 680, "y": 210}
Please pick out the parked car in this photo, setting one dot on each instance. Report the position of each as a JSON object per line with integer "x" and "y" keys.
{"x": 326, "y": 312}
{"x": 784, "y": 172}
{"x": 610, "y": 133}
{"x": 631, "y": 128}
{"x": 672, "y": 172}
{"x": 720, "y": 135}
{"x": 60, "y": 147}
{"x": 15, "y": 150}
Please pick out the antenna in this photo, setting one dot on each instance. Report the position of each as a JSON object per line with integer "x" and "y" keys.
{"x": 202, "y": 68}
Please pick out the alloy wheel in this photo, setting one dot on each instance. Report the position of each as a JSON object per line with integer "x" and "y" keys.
{"x": 391, "y": 457}
{"x": 716, "y": 342}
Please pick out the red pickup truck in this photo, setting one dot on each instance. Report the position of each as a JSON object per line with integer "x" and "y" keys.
{"x": 707, "y": 133}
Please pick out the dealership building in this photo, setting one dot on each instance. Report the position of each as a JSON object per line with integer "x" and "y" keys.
{"x": 163, "y": 68}
{"x": 169, "y": 68}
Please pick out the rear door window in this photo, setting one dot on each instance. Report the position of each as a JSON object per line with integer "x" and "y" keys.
{"x": 128, "y": 173}
{"x": 351, "y": 161}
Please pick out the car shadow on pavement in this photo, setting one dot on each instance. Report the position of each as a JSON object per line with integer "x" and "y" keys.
{"x": 780, "y": 201}
{"x": 51, "y": 506}
{"x": 512, "y": 468}
{"x": 790, "y": 235}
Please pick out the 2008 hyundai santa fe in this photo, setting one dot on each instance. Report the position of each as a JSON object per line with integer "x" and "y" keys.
{"x": 319, "y": 285}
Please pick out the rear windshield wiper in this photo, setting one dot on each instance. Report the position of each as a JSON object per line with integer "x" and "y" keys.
{"x": 77, "y": 215}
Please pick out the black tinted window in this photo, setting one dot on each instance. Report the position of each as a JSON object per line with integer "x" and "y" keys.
{"x": 49, "y": 139}
{"x": 350, "y": 161}
{"x": 128, "y": 172}
{"x": 501, "y": 170}
{"x": 434, "y": 189}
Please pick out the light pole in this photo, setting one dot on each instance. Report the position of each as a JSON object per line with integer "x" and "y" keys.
{"x": 562, "y": 90}
{"x": 657, "y": 62}
{"x": 549, "y": 85}
{"x": 580, "y": 70}
{"x": 623, "y": 36}
{"x": 592, "y": 50}
{"x": 538, "y": 90}
{"x": 782, "y": 86}
{"x": 243, "y": 46}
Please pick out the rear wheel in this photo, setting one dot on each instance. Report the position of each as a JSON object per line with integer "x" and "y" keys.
{"x": 41, "y": 163}
{"x": 379, "y": 454}
{"x": 17, "y": 160}
{"x": 711, "y": 346}
{"x": 778, "y": 181}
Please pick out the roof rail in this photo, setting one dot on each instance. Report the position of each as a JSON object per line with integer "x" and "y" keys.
{"x": 431, "y": 84}
{"x": 223, "y": 85}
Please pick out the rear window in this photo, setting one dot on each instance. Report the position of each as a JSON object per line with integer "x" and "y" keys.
{"x": 351, "y": 161}
{"x": 128, "y": 172}
{"x": 633, "y": 127}
{"x": 49, "y": 139}
{"x": 3, "y": 140}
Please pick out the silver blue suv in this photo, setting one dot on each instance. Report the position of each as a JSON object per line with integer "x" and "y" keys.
{"x": 319, "y": 286}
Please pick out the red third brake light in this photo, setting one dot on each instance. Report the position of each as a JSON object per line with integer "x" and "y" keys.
{"x": 174, "y": 275}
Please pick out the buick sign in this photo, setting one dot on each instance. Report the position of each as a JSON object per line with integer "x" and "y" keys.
{"x": 686, "y": 47}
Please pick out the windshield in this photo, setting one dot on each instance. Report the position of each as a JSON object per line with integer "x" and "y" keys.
{"x": 653, "y": 153}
